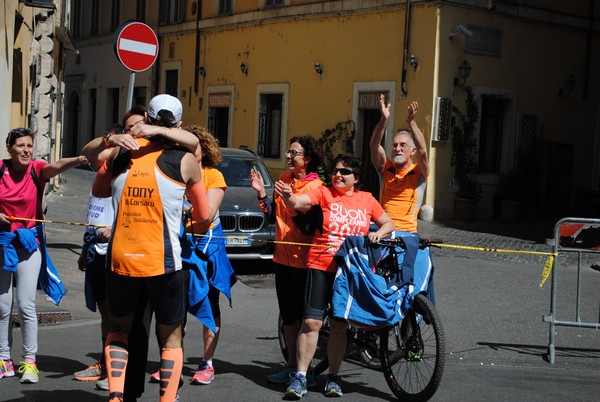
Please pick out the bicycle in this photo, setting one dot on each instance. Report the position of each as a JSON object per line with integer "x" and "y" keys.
{"x": 411, "y": 353}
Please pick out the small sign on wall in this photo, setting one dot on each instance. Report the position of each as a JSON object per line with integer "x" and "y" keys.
{"x": 442, "y": 118}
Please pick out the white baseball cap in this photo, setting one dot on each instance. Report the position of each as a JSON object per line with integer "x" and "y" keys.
{"x": 165, "y": 102}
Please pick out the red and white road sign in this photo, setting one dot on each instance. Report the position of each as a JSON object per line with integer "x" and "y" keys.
{"x": 136, "y": 46}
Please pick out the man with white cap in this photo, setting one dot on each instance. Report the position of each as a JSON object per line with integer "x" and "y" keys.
{"x": 149, "y": 180}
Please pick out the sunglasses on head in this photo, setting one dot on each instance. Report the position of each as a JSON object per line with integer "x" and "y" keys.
{"x": 343, "y": 171}
{"x": 18, "y": 133}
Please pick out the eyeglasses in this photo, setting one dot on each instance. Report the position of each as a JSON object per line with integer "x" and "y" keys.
{"x": 342, "y": 171}
{"x": 293, "y": 153}
{"x": 128, "y": 128}
{"x": 402, "y": 145}
{"x": 18, "y": 133}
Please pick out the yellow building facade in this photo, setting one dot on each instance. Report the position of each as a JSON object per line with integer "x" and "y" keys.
{"x": 258, "y": 72}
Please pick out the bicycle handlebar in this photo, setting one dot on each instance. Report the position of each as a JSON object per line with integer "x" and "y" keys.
{"x": 423, "y": 243}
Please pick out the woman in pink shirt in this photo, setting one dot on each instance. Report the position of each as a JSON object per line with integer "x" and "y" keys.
{"x": 22, "y": 185}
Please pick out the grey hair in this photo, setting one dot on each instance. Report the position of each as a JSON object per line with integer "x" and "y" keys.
{"x": 409, "y": 133}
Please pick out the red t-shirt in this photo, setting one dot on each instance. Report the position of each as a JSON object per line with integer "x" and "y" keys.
{"x": 19, "y": 194}
{"x": 343, "y": 215}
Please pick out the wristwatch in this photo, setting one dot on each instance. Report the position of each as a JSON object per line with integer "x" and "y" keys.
{"x": 105, "y": 138}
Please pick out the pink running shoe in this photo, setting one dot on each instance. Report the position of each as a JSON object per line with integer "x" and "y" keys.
{"x": 205, "y": 375}
{"x": 6, "y": 368}
{"x": 155, "y": 377}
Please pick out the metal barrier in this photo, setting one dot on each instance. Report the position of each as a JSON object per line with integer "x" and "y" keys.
{"x": 579, "y": 244}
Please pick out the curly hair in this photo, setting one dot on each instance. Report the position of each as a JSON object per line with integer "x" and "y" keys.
{"x": 312, "y": 150}
{"x": 209, "y": 144}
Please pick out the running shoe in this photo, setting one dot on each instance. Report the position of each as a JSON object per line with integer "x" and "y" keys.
{"x": 94, "y": 372}
{"x": 155, "y": 377}
{"x": 297, "y": 389}
{"x": 285, "y": 375}
{"x": 332, "y": 387}
{"x": 29, "y": 371}
{"x": 6, "y": 368}
{"x": 102, "y": 384}
{"x": 205, "y": 375}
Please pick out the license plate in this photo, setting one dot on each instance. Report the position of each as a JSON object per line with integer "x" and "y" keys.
{"x": 244, "y": 241}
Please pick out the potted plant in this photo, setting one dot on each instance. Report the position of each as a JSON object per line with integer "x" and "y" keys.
{"x": 464, "y": 160}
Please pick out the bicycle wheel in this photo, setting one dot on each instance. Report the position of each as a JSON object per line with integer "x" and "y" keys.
{"x": 414, "y": 371}
{"x": 319, "y": 362}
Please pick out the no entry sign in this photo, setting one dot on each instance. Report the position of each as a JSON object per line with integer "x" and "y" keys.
{"x": 136, "y": 46}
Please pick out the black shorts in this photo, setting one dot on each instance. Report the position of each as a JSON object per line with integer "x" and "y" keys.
{"x": 318, "y": 293}
{"x": 213, "y": 296}
{"x": 166, "y": 294}
{"x": 97, "y": 272}
{"x": 290, "y": 283}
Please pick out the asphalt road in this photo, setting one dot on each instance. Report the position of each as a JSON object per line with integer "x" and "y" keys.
{"x": 491, "y": 308}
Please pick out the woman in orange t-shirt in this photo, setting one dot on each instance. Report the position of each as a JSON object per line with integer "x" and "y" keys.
{"x": 303, "y": 159}
{"x": 346, "y": 212}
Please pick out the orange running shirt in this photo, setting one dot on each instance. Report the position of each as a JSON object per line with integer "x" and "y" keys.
{"x": 343, "y": 216}
{"x": 402, "y": 195}
{"x": 148, "y": 206}
{"x": 291, "y": 255}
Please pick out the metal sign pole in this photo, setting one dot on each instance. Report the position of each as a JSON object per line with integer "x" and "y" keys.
{"x": 130, "y": 92}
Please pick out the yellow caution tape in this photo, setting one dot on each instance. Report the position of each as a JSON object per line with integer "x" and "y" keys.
{"x": 545, "y": 272}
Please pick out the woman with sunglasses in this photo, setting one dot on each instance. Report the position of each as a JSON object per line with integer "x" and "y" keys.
{"x": 303, "y": 160}
{"x": 346, "y": 212}
{"x": 22, "y": 251}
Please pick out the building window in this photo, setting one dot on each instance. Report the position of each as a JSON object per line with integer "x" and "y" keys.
{"x": 270, "y": 125}
{"x": 273, "y": 3}
{"x": 490, "y": 134}
{"x": 172, "y": 11}
{"x": 115, "y": 15}
{"x": 171, "y": 82}
{"x": 225, "y": 7}
{"x": 95, "y": 17}
{"x": 140, "y": 10}
{"x": 75, "y": 19}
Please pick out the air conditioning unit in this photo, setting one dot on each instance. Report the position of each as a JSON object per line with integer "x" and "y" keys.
{"x": 40, "y": 3}
{"x": 442, "y": 118}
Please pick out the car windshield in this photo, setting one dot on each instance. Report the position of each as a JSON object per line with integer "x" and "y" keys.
{"x": 236, "y": 171}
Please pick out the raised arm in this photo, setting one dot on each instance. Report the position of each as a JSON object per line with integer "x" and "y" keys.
{"x": 419, "y": 140}
{"x": 174, "y": 134}
{"x": 102, "y": 148}
{"x": 299, "y": 202}
{"x": 191, "y": 174}
{"x": 52, "y": 169}
{"x": 377, "y": 152}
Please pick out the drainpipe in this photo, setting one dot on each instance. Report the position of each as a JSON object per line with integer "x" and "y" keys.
{"x": 197, "y": 62}
{"x": 405, "y": 50}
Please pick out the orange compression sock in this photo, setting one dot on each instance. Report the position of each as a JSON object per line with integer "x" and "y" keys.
{"x": 115, "y": 352}
{"x": 171, "y": 364}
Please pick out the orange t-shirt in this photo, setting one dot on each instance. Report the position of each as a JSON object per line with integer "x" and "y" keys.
{"x": 211, "y": 178}
{"x": 291, "y": 255}
{"x": 402, "y": 195}
{"x": 343, "y": 216}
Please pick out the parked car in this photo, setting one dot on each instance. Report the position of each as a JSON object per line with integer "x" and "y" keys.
{"x": 249, "y": 234}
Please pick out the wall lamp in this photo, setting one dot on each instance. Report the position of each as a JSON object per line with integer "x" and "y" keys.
{"x": 319, "y": 69}
{"x": 464, "y": 71}
{"x": 202, "y": 71}
{"x": 568, "y": 86}
{"x": 412, "y": 60}
{"x": 244, "y": 69}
